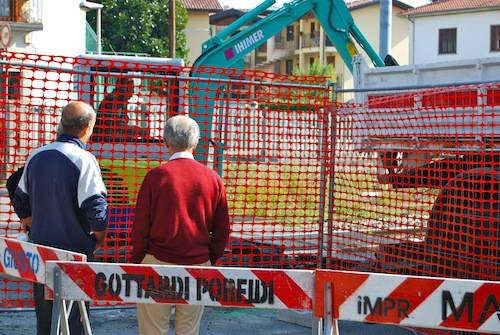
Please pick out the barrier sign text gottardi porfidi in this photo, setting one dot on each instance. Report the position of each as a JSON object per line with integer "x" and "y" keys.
{"x": 209, "y": 286}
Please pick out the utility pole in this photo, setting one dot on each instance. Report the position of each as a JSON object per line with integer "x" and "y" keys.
{"x": 385, "y": 27}
{"x": 171, "y": 27}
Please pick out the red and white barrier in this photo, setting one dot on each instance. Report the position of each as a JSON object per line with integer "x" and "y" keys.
{"x": 409, "y": 300}
{"x": 27, "y": 261}
{"x": 427, "y": 302}
{"x": 209, "y": 286}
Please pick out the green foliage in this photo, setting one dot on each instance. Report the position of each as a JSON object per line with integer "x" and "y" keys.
{"x": 286, "y": 193}
{"x": 308, "y": 97}
{"x": 141, "y": 26}
{"x": 317, "y": 69}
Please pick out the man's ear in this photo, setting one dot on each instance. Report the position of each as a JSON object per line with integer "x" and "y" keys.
{"x": 86, "y": 132}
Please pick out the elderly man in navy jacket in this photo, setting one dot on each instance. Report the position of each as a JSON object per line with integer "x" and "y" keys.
{"x": 61, "y": 189}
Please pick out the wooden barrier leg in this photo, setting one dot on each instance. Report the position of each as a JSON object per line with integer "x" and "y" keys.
{"x": 84, "y": 318}
{"x": 64, "y": 318}
{"x": 317, "y": 327}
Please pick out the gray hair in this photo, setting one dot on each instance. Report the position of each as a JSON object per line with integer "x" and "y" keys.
{"x": 181, "y": 132}
{"x": 76, "y": 116}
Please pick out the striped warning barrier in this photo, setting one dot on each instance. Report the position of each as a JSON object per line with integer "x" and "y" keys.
{"x": 27, "y": 261}
{"x": 440, "y": 303}
{"x": 209, "y": 286}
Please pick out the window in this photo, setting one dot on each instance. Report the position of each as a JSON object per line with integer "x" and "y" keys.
{"x": 289, "y": 33}
{"x": 448, "y": 41}
{"x": 289, "y": 66}
{"x": 278, "y": 38}
{"x": 495, "y": 38}
{"x": 313, "y": 30}
{"x": 330, "y": 60}
{"x": 277, "y": 67}
{"x": 311, "y": 61}
{"x": 5, "y": 9}
{"x": 10, "y": 87}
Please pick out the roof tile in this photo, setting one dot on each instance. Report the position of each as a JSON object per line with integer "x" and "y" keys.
{"x": 202, "y": 5}
{"x": 452, "y": 5}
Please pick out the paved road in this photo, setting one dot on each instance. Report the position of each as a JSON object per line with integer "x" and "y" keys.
{"x": 216, "y": 321}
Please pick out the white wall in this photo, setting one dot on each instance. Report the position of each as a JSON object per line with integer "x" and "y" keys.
{"x": 473, "y": 36}
{"x": 197, "y": 31}
{"x": 368, "y": 21}
{"x": 63, "y": 29}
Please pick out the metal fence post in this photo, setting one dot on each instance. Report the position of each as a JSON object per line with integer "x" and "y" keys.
{"x": 331, "y": 184}
{"x": 57, "y": 303}
{"x": 325, "y": 148}
{"x": 331, "y": 324}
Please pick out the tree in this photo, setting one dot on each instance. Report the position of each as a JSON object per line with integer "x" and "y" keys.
{"x": 141, "y": 26}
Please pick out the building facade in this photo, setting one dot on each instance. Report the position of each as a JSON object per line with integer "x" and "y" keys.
{"x": 304, "y": 43}
{"x": 454, "y": 30}
{"x": 37, "y": 26}
{"x": 21, "y": 18}
{"x": 198, "y": 25}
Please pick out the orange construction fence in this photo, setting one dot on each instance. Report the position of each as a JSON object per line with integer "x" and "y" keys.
{"x": 404, "y": 183}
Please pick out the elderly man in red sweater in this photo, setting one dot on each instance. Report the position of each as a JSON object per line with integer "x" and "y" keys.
{"x": 181, "y": 218}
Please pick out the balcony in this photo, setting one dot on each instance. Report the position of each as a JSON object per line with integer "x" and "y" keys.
{"x": 286, "y": 45}
{"x": 310, "y": 41}
{"x": 314, "y": 41}
{"x": 22, "y": 15}
{"x": 262, "y": 48}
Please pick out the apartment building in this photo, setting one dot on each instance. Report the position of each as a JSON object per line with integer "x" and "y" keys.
{"x": 454, "y": 30}
{"x": 19, "y": 18}
{"x": 304, "y": 42}
{"x": 37, "y": 26}
{"x": 198, "y": 25}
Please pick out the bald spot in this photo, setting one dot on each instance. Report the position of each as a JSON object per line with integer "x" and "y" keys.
{"x": 76, "y": 109}
{"x": 76, "y": 116}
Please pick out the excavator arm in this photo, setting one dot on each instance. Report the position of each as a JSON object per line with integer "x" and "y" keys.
{"x": 229, "y": 47}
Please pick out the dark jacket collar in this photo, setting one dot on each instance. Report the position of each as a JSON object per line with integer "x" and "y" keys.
{"x": 71, "y": 139}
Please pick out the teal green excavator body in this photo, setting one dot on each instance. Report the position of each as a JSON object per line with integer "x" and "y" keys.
{"x": 229, "y": 47}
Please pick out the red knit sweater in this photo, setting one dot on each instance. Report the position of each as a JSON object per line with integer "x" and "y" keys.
{"x": 181, "y": 215}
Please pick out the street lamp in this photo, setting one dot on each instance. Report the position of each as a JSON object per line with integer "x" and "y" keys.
{"x": 87, "y": 6}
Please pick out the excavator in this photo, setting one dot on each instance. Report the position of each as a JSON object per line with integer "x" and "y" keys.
{"x": 228, "y": 48}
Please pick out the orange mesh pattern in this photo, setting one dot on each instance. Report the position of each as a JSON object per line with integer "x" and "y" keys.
{"x": 417, "y": 184}
{"x": 265, "y": 134}
{"x": 404, "y": 183}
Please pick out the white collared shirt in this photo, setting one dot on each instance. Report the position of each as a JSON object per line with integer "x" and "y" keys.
{"x": 181, "y": 154}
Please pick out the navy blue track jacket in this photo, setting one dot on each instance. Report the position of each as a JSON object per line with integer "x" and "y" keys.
{"x": 62, "y": 190}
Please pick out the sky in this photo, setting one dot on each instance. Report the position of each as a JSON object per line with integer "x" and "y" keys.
{"x": 246, "y": 4}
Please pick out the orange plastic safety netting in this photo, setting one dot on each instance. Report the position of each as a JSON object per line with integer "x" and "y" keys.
{"x": 265, "y": 134}
{"x": 399, "y": 183}
{"x": 416, "y": 183}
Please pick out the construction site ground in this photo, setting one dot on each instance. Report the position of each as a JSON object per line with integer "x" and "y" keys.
{"x": 220, "y": 321}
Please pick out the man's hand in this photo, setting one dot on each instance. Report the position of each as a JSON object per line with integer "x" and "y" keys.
{"x": 26, "y": 224}
{"x": 100, "y": 236}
